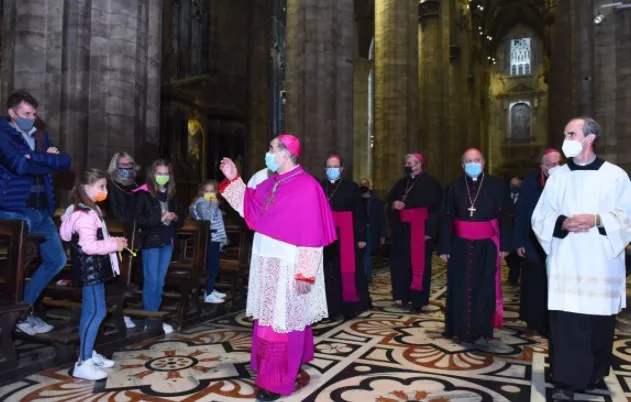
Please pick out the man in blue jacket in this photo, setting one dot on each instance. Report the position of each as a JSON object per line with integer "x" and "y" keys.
{"x": 533, "y": 307}
{"x": 27, "y": 160}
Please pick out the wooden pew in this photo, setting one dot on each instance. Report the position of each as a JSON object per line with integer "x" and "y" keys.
{"x": 235, "y": 261}
{"x": 13, "y": 244}
{"x": 187, "y": 271}
{"x": 117, "y": 290}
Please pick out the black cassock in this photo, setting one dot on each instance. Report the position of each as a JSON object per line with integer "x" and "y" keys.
{"x": 344, "y": 195}
{"x": 423, "y": 191}
{"x": 472, "y": 265}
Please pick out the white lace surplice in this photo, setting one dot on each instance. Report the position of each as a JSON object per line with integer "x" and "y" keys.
{"x": 272, "y": 296}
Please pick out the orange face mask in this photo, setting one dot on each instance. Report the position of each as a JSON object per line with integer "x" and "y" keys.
{"x": 100, "y": 196}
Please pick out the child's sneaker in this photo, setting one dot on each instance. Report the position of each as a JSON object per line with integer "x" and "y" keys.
{"x": 88, "y": 371}
{"x": 101, "y": 361}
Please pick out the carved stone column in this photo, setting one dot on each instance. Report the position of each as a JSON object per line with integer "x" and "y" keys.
{"x": 94, "y": 68}
{"x": 396, "y": 88}
{"x": 319, "y": 80}
{"x": 261, "y": 50}
{"x": 431, "y": 86}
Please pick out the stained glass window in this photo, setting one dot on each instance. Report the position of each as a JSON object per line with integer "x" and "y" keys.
{"x": 520, "y": 56}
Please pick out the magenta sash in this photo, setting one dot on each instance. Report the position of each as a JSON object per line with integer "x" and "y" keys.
{"x": 416, "y": 217}
{"x": 483, "y": 231}
{"x": 344, "y": 221}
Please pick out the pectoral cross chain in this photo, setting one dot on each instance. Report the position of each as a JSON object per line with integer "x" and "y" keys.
{"x": 471, "y": 210}
{"x": 270, "y": 199}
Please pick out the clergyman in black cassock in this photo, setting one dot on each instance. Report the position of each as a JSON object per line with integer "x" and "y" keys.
{"x": 346, "y": 283}
{"x": 475, "y": 234}
{"x": 533, "y": 303}
{"x": 415, "y": 202}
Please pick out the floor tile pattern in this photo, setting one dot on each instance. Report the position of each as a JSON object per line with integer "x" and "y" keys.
{"x": 386, "y": 355}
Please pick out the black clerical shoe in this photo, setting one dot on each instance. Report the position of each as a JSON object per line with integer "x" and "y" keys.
{"x": 562, "y": 394}
{"x": 266, "y": 396}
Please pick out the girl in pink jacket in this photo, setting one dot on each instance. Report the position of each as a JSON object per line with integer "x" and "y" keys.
{"x": 93, "y": 256}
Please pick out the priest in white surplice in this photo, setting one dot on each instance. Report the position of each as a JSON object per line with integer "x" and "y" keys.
{"x": 582, "y": 222}
{"x": 292, "y": 221}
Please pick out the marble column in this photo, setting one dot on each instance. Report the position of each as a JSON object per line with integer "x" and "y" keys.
{"x": 319, "y": 80}
{"x": 396, "y": 88}
{"x": 431, "y": 97}
{"x": 94, "y": 67}
{"x": 259, "y": 122}
{"x": 361, "y": 109}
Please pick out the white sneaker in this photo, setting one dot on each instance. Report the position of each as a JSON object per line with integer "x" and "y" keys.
{"x": 88, "y": 371}
{"x": 167, "y": 328}
{"x": 101, "y": 361}
{"x": 218, "y": 294}
{"x": 40, "y": 326}
{"x": 129, "y": 323}
{"x": 26, "y": 327}
{"x": 211, "y": 298}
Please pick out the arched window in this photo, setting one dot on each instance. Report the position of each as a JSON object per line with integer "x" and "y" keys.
{"x": 520, "y": 121}
{"x": 520, "y": 56}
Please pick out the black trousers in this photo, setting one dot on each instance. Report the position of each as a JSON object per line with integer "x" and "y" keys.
{"x": 580, "y": 348}
{"x": 514, "y": 265}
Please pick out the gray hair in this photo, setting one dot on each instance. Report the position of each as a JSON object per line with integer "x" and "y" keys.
{"x": 112, "y": 169}
{"x": 282, "y": 147}
{"x": 590, "y": 126}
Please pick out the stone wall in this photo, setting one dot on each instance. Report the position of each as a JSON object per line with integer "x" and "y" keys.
{"x": 508, "y": 156}
{"x": 94, "y": 66}
{"x": 591, "y": 74}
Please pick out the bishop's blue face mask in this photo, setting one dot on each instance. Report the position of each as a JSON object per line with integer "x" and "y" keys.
{"x": 333, "y": 173}
{"x": 270, "y": 162}
{"x": 24, "y": 124}
{"x": 473, "y": 169}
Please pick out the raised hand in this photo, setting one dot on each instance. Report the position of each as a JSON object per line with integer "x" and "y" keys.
{"x": 228, "y": 168}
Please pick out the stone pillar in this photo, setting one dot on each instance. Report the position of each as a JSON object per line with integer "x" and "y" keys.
{"x": 94, "y": 67}
{"x": 589, "y": 74}
{"x": 396, "y": 88}
{"x": 319, "y": 80}
{"x": 260, "y": 46}
{"x": 361, "y": 136}
{"x": 431, "y": 95}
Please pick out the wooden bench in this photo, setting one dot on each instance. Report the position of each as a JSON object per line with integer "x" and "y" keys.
{"x": 13, "y": 245}
{"x": 187, "y": 271}
{"x": 117, "y": 291}
{"x": 235, "y": 261}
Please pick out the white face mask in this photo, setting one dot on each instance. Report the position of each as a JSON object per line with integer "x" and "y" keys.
{"x": 572, "y": 148}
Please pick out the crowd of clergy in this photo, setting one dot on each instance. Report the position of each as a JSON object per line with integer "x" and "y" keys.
{"x": 563, "y": 232}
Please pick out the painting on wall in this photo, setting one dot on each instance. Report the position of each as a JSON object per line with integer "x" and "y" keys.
{"x": 195, "y": 146}
{"x": 520, "y": 121}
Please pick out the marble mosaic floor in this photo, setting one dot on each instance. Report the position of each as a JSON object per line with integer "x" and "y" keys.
{"x": 386, "y": 355}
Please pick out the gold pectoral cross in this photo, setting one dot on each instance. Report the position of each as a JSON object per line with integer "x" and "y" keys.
{"x": 471, "y": 210}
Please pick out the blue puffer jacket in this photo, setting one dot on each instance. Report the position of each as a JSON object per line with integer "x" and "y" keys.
{"x": 17, "y": 171}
